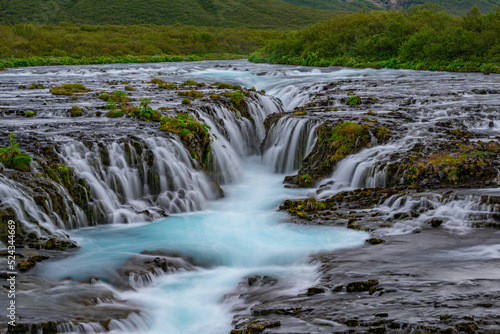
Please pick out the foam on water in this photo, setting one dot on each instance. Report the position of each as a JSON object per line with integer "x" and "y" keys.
{"x": 238, "y": 236}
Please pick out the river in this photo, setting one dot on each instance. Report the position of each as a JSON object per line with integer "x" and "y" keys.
{"x": 219, "y": 242}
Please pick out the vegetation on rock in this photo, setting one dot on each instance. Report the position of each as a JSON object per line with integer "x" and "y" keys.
{"x": 11, "y": 156}
{"x": 194, "y": 135}
{"x": 69, "y": 89}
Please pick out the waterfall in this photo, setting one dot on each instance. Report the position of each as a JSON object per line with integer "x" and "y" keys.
{"x": 139, "y": 181}
{"x": 365, "y": 169}
{"x": 288, "y": 142}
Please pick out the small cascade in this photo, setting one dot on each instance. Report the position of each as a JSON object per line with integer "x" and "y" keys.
{"x": 236, "y": 136}
{"x": 456, "y": 212}
{"x": 138, "y": 180}
{"x": 50, "y": 206}
{"x": 366, "y": 169}
{"x": 288, "y": 142}
{"x": 90, "y": 327}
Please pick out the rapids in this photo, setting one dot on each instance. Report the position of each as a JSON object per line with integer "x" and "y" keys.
{"x": 148, "y": 195}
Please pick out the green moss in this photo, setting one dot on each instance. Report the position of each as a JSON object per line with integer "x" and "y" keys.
{"x": 129, "y": 88}
{"x": 353, "y": 100}
{"x": 194, "y": 135}
{"x": 115, "y": 96}
{"x": 299, "y": 113}
{"x": 36, "y": 86}
{"x": 22, "y": 162}
{"x": 69, "y": 89}
{"x": 192, "y": 83}
{"x": 114, "y": 114}
{"x": 186, "y": 101}
{"x": 30, "y": 113}
{"x": 214, "y": 96}
{"x": 191, "y": 93}
{"x": 75, "y": 111}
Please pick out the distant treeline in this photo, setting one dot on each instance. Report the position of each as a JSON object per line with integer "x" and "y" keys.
{"x": 32, "y": 45}
{"x": 424, "y": 37}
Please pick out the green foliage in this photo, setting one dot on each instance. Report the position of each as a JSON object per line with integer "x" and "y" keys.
{"x": 238, "y": 97}
{"x": 353, "y": 100}
{"x": 30, "y": 113}
{"x": 107, "y": 44}
{"x": 11, "y": 156}
{"x": 182, "y": 122}
{"x": 146, "y": 112}
{"x": 186, "y": 101}
{"x": 236, "y": 13}
{"x": 21, "y": 162}
{"x": 425, "y": 37}
{"x": 69, "y": 89}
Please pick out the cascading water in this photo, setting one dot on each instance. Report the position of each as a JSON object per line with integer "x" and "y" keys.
{"x": 141, "y": 182}
{"x": 134, "y": 175}
{"x": 288, "y": 142}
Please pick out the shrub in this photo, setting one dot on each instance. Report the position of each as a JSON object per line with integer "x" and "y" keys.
{"x": 186, "y": 101}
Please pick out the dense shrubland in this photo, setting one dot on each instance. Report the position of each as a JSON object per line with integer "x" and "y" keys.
{"x": 425, "y": 37}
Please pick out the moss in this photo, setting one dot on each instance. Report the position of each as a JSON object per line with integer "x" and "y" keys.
{"x": 186, "y": 101}
{"x": 30, "y": 113}
{"x": 214, "y": 96}
{"x": 194, "y": 135}
{"x": 69, "y": 89}
{"x": 361, "y": 285}
{"x": 114, "y": 114}
{"x": 22, "y": 162}
{"x": 353, "y": 100}
{"x": 36, "y": 86}
{"x": 22, "y": 87}
{"x": 468, "y": 327}
{"x": 299, "y": 113}
{"x": 24, "y": 266}
{"x": 192, "y": 83}
{"x": 129, "y": 88}
{"x": 115, "y": 96}
{"x": 75, "y": 111}
{"x": 375, "y": 241}
{"x": 191, "y": 93}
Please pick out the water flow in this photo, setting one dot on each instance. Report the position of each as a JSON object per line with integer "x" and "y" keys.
{"x": 140, "y": 182}
{"x": 238, "y": 236}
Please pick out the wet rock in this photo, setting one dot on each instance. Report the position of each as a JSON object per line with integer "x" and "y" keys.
{"x": 314, "y": 291}
{"x": 361, "y": 285}
{"x": 436, "y": 222}
{"x": 375, "y": 241}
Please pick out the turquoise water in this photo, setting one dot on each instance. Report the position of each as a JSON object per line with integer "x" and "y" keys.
{"x": 240, "y": 235}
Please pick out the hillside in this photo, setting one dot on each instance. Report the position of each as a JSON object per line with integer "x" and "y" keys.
{"x": 262, "y": 14}
{"x": 451, "y": 6}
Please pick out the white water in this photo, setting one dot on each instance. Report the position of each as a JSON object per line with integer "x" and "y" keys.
{"x": 238, "y": 236}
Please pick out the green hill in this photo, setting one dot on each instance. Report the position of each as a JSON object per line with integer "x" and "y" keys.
{"x": 262, "y": 14}
{"x": 451, "y": 6}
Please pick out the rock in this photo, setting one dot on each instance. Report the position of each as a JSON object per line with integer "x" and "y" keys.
{"x": 436, "y": 222}
{"x": 361, "y": 285}
{"x": 375, "y": 241}
{"x": 315, "y": 291}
